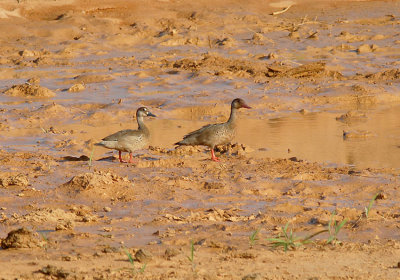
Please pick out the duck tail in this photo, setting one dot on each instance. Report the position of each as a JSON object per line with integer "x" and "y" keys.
{"x": 180, "y": 143}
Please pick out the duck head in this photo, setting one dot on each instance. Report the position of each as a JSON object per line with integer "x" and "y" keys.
{"x": 239, "y": 103}
{"x": 144, "y": 112}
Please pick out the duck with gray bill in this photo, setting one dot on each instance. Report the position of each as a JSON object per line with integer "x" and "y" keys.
{"x": 215, "y": 134}
{"x": 129, "y": 140}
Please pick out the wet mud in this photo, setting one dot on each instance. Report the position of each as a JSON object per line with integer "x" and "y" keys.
{"x": 319, "y": 148}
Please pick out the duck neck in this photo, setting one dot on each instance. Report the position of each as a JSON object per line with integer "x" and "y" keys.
{"x": 141, "y": 124}
{"x": 232, "y": 117}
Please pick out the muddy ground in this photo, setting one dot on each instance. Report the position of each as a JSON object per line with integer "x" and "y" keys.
{"x": 320, "y": 142}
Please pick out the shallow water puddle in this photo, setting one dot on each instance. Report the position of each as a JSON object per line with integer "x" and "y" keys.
{"x": 372, "y": 140}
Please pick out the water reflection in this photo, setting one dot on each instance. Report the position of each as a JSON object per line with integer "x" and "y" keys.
{"x": 315, "y": 137}
{"x": 319, "y": 137}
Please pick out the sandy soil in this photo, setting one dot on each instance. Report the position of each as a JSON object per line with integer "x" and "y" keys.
{"x": 322, "y": 138}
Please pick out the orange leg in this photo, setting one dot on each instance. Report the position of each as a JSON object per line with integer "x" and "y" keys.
{"x": 213, "y": 157}
{"x": 120, "y": 158}
{"x": 131, "y": 158}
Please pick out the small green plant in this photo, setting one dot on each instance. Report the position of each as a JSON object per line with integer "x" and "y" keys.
{"x": 129, "y": 256}
{"x": 333, "y": 229}
{"x": 254, "y": 237}
{"x": 191, "y": 257}
{"x": 287, "y": 239}
{"x": 371, "y": 203}
{"x": 132, "y": 261}
{"x": 367, "y": 210}
{"x": 142, "y": 269}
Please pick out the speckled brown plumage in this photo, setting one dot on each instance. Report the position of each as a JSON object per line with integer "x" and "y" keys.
{"x": 129, "y": 140}
{"x": 215, "y": 134}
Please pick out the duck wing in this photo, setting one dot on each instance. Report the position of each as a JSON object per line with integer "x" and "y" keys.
{"x": 205, "y": 135}
{"x": 117, "y": 136}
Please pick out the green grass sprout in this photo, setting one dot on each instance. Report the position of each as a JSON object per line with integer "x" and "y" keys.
{"x": 334, "y": 228}
{"x": 141, "y": 270}
{"x": 286, "y": 239}
{"x": 371, "y": 203}
{"x": 254, "y": 237}
{"x": 191, "y": 257}
{"x": 91, "y": 157}
{"x": 132, "y": 261}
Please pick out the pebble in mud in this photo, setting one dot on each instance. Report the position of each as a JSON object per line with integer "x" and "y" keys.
{"x": 69, "y": 258}
{"x": 143, "y": 256}
{"x": 170, "y": 253}
{"x": 54, "y": 271}
{"x": 253, "y": 276}
{"x": 65, "y": 225}
{"x": 27, "y": 53}
{"x": 294, "y": 35}
{"x": 213, "y": 185}
{"x": 77, "y": 87}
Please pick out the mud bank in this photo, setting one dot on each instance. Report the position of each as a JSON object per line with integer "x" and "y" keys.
{"x": 320, "y": 143}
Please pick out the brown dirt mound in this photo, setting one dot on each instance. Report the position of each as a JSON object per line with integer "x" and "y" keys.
{"x": 184, "y": 150}
{"x": 53, "y": 271}
{"x": 246, "y": 68}
{"x": 21, "y": 238}
{"x": 58, "y": 218}
{"x": 77, "y": 87}
{"x": 392, "y": 74}
{"x": 19, "y": 180}
{"x": 100, "y": 184}
{"x": 233, "y": 149}
{"x": 214, "y": 214}
{"x": 91, "y": 78}
{"x": 30, "y": 89}
{"x": 51, "y": 112}
{"x": 351, "y": 116}
{"x": 179, "y": 150}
